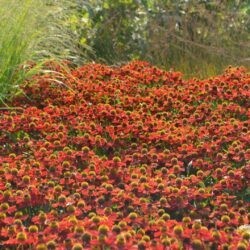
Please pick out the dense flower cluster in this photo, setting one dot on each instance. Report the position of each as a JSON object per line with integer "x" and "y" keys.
{"x": 127, "y": 158}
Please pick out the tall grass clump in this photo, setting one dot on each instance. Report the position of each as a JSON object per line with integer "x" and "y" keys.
{"x": 18, "y": 34}
{"x": 31, "y": 30}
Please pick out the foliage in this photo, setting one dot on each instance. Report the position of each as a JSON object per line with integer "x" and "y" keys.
{"x": 32, "y": 30}
{"x": 194, "y": 36}
{"x": 15, "y": 43}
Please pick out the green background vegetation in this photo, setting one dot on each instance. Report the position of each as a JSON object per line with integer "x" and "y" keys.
{"x": 199, "y": 38}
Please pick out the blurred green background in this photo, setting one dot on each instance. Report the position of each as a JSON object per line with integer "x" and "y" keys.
{"x": 199, "y": 38}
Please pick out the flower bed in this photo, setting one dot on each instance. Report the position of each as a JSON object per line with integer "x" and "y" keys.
{"x": 127, "y": 158}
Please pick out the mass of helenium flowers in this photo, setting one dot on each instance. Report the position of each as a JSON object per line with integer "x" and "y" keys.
{"x": 130, "y": 157}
